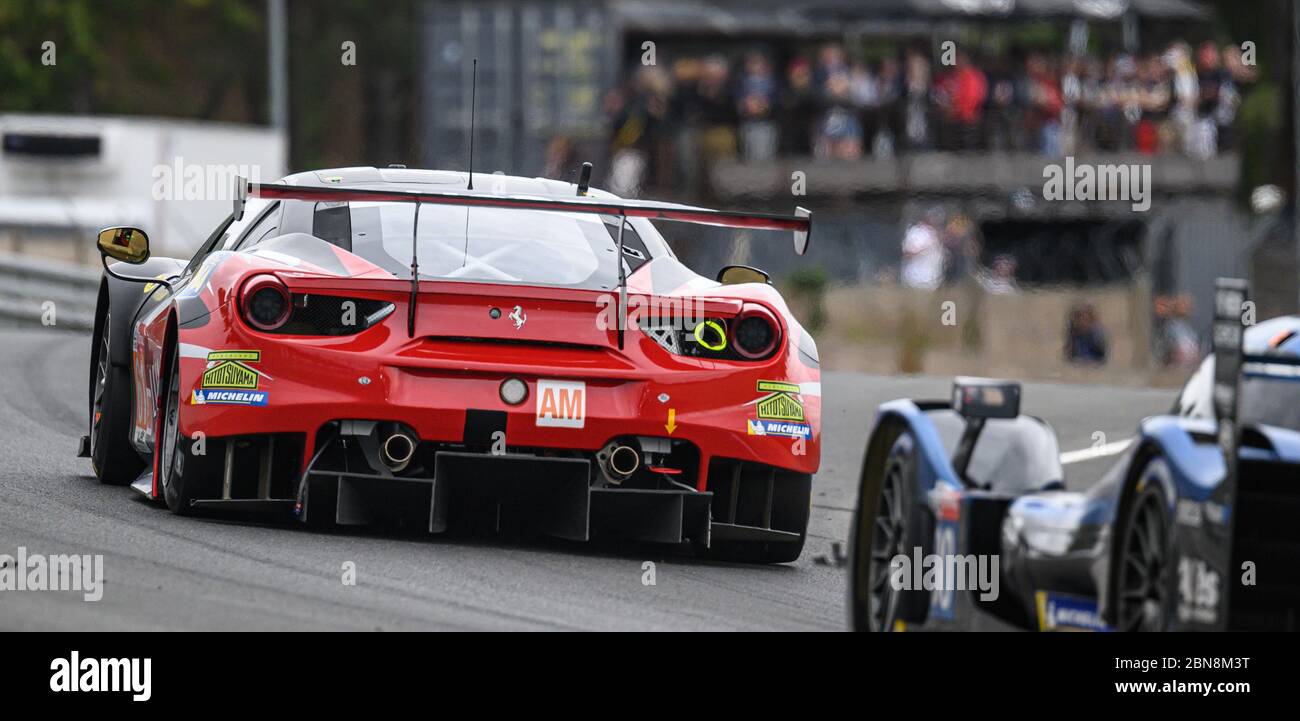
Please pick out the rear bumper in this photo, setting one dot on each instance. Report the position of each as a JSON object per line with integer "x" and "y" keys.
{"x": 304, "y": 385}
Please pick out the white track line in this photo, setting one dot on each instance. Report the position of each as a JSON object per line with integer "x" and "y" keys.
{"x": 1087, "y": 454}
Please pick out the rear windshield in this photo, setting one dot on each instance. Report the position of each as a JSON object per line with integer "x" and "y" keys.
{"x": 496, "y": 245}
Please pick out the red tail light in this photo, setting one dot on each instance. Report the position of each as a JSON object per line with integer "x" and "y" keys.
{"x": 265, "y": 303}
{"x": 755, "y": 332}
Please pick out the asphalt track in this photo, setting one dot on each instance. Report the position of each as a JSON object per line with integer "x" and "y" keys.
{"x": 166, "y": 572}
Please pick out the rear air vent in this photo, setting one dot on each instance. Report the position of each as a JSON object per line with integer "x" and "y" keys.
{"x": 332, "y": 315}
{"x": 753, "y": 494}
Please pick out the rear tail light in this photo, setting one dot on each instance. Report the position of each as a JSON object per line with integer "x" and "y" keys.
{"x": 755, "y": 332}
{"x": 265, "y": 303}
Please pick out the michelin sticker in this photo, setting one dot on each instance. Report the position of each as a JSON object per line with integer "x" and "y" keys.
{"x": 780, "y": 412}
{"x": 1059, "y": 612}
{"x": 779, "y": 428}
{"x": 229, "y": 380}
{"x": 218, "y": 397}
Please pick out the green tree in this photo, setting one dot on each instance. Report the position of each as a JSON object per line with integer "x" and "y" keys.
{"x": 134, "y": 57}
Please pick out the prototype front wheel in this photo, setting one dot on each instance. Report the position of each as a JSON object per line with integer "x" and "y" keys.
{"x": 1140, "y": 582}
{"x": 887, "y": 522}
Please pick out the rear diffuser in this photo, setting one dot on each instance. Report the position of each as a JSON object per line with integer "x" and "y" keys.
{"x": 549, "y": 495}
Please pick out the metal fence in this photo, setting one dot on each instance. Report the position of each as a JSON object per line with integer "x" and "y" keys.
{"x": 41, "y": 292}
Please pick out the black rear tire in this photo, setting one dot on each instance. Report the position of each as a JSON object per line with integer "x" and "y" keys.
{"x": 796, "y": 504}
{"x": 170, "y": 443}
{"x": 112, "y": 457}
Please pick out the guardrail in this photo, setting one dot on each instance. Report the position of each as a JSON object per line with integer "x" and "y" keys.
{"x": 36, "y": 291}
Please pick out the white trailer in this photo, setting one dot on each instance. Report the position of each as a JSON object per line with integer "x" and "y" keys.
{"x": 63, "y": 177}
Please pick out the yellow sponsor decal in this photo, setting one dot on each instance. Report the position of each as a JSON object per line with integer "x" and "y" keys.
{"x": 230, "y": 371}
{"x": 248, "y": 356}
{"x": 781, "y": 403}
{"x": 769, "y": 386}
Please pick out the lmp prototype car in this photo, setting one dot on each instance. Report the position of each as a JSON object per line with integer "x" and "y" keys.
{"x": 1193, "y": 529}
{"x": 391, "y": 346}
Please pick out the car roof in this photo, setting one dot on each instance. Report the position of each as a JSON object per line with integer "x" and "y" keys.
{"x": 417, "y": 179}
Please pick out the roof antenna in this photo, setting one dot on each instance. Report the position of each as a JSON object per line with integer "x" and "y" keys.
{"x": 473, "y": 98}
{"x": 584, "y": 180}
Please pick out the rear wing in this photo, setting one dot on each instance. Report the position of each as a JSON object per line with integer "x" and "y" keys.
{"x": 800, "y": 223}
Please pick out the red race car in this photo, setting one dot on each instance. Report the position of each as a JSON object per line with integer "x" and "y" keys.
{"x": 368, "y": 346}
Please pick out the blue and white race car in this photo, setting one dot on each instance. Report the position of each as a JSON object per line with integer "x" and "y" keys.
{"x": 963, "y": 521}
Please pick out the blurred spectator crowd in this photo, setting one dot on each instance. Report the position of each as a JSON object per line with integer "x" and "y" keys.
{"x": 944, "y": 248}
{"x": 668, "y": 123}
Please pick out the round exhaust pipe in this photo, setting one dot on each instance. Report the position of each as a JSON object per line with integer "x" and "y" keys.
{"x": 397, "y": 451}
{"x": 624, "y": 460}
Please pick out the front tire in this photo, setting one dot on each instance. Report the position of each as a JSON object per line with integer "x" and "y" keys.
{"x": 1141, "y": 591}
{"x": 112, "y": 458}
{"x": 887, "y": 522}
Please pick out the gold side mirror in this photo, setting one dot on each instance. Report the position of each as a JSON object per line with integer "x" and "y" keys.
{"x": 736, "y": 274}
{"x": 129, "y": 245}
